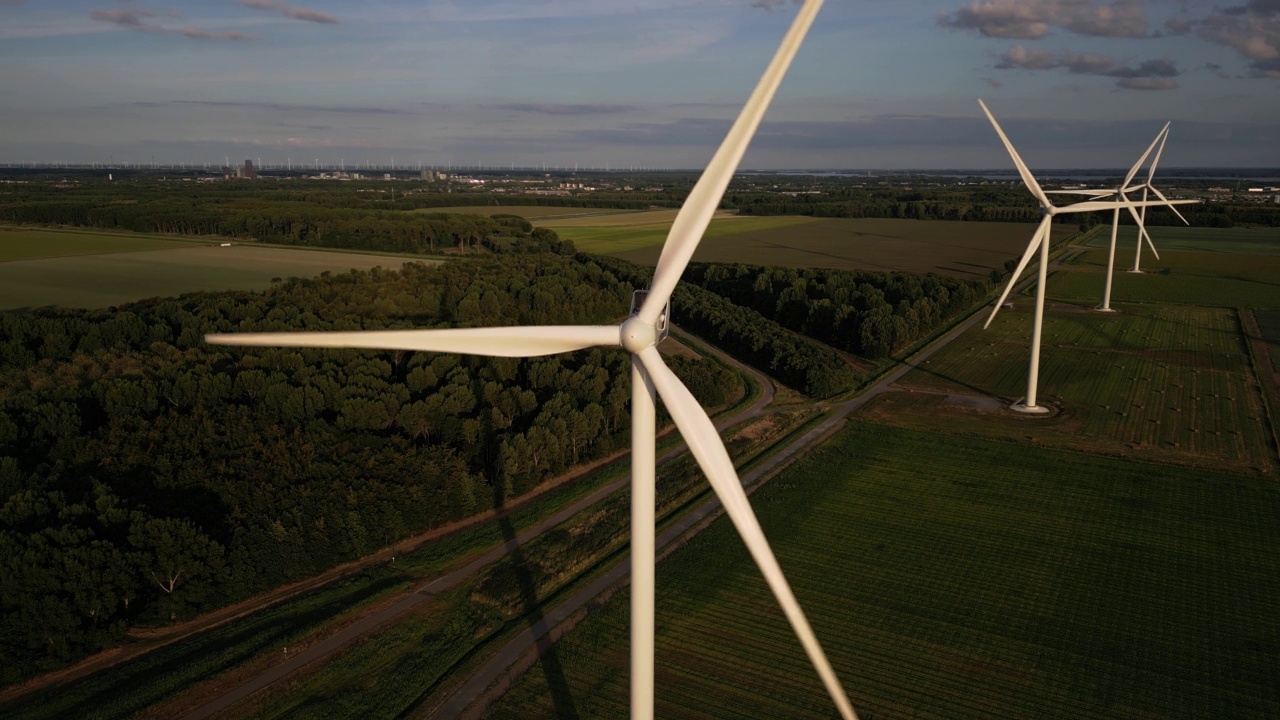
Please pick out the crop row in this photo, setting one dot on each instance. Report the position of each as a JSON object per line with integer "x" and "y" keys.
{"x": 959, "y": 578}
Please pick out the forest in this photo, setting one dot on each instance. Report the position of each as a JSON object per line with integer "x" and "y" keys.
{"x": 870, "y": 314}
{"x": 147, "y": 476}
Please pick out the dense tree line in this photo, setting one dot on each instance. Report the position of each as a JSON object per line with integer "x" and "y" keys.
{"x": 812, "y": 368}
{"x": 146, "y": 475}
{"x": 870, "y": 314}
{"x": 295, "y": 223}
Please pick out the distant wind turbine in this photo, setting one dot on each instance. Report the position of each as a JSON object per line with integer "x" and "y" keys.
{"x": 1121, "y": 194}
{"x": 639, "y": 335}
{"x": 1041, "y": 240}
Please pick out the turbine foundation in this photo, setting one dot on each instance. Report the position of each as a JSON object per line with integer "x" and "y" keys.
{"x": 1022, "y": 407}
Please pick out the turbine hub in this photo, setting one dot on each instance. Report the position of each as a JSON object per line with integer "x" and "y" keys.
{"x": 636, "y": 335}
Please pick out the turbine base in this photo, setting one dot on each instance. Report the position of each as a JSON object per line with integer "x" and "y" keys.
{"x": 1022, "y": 407}
{"x": 1136, "y": 272}
{"x": 1105, "y": 310}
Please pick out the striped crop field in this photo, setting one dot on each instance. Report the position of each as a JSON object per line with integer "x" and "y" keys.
{"x": 964, "y": 249}
{"x": 1253, "y": 240}
{"x": 952, "y": 578}
{"x": 1169, "y": 384}
{"x": 25, "y": 243}
{"x": 1188, "y": 278}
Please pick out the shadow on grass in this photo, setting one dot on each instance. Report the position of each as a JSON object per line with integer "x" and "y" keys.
{"x": 548, "y": 659}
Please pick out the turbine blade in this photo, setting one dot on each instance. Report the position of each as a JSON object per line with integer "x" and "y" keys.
{"x": 1027, "y": 178}
{"x": 1142, "y": 231}
{"x": 704, "y": 442}
{"x": 701, "y": 205}
{"x": 1089, "y": 193}
{"x": 1151, "y": 173}
{"x": 1170, "y": 204}
{"x": 1022, "y": 265}
{"x": 494, "y": 342}
{"x": 1150, "y": 244}
{"x": 1134, "y": 170}
{"x": 1111, "y": 205}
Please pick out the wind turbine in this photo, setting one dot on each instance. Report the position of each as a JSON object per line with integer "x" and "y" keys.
{"x": 1041, "y": 240}
{"x": 1121, "y": 194}
{"x": 639, "y": 335}
{"x": 1148, "y": 187}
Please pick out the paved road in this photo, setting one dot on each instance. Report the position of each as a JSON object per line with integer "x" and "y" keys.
{"x": 428, "y": 589}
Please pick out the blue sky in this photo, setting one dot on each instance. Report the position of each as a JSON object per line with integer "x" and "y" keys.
{"x": 879, "y": 84}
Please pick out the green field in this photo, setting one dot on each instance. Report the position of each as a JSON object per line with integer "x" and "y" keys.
{"x": 29, "y": 243}
{"x": 962, "y": 249}
{"x": 529, "y": 212}
{"x": 1269, "y": 324}
{"x": 1187, "y": 278}
{"x": 952, "y": 578}
{"x": 91, "y": 281}
{"x": 1168, "y": 384}
{"x": 1195, "y": 239}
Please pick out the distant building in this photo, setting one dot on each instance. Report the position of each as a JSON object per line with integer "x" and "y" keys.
{"x": 249, "y": 172}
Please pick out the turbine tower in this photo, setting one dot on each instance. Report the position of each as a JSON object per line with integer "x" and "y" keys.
{"x": 1040, "y": 240}
{"x": 639, "y": 335}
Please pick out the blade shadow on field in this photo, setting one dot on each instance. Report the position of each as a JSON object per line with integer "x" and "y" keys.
{"x": 548, "y": 659}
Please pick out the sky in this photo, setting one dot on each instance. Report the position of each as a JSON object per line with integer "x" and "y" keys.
{"x": 879, "y": 84}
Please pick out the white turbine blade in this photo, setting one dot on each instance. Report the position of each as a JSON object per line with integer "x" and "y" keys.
{"x": 493, "y": 342}
{"x": 705, "y": 444}
{"x": 1142, "y": 231}
{"x": 698, "y": 209}
{"x": 1170, "y": 205}
{"x": 1027, "y": 178}
{"x": 1164, "y": 138}
{"x": 1022, "y": 265}
{"x": 1111, "y": 205}
{"x": 1088, "y": 193}
{"x": 1134, "y": 170}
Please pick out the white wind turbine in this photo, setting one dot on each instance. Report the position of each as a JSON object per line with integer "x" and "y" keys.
{"x": 1121, "y": 194}
{"x": 1146, "y": 188}
{"x": 1041, "y": 240}
{"x": 639, "y": 335}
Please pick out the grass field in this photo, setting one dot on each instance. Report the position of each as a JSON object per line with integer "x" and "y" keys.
{"x": 968, "y": 250}
{"x": 1188, "y": 278}
{"x": 28, "y": 243}
{"x": 1169, "y": 384}
{"x": 951, "y": 578}
{"x": 1195, "y": 239}
{"x": 91, "y": 281}
{"x": 529, "y": 212}
{"x": 1269, "y": 324}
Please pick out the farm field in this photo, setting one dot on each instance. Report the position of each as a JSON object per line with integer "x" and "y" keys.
{"x": 958, "y": 578}
{"x": 1269, "y": 324}
{"x": 1188, "y": 278}
{"x": 1166, "y": 384}
{"x": 962, "y": 249}
{"x": 20, "y": 243}
{"x": 529, "y": 212}
{"x": 92, "y": 281}
{"x": 1195, "y": 239}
